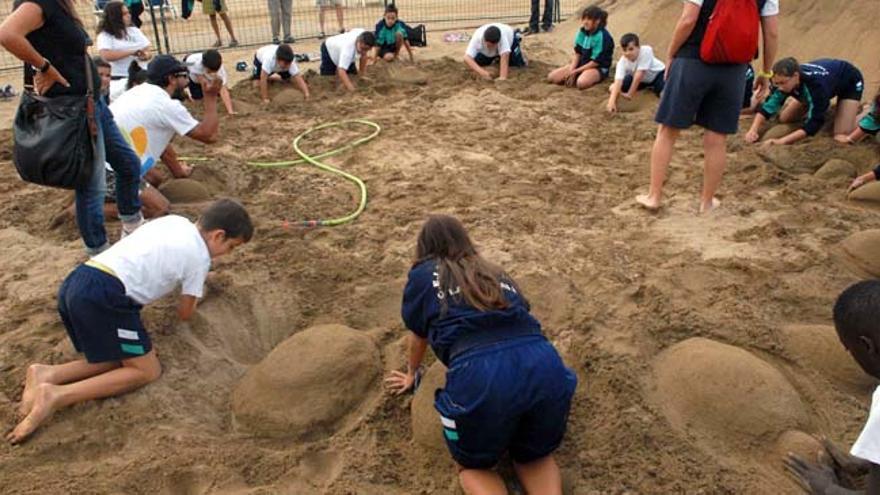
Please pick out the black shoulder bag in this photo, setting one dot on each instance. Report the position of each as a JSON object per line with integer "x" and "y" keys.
{"x": 54, "y": 138}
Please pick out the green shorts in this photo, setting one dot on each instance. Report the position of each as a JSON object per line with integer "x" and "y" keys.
{"x": 211, "y": 7}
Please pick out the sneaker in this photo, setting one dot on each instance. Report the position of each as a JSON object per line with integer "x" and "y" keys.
{"x": 529, "y": 31}
{"x": 217, "y": 44}
{"x": 130, "y": 227}
{"x": 289, "y": 39}
{"x": 321, "y": 35}
{"x": 275, "y": 40}
{"x": 548, "y": 29}
{"x": 233, "y": 43}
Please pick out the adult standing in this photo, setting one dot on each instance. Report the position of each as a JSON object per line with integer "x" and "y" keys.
{"x": 709, "y": 95}
{"x": 546, "y": 21}
{"x": 279, "y": 12}
{"x": 120, "y": 43}
{"x": 48, "y": 36}
{"x": 323, "y": 5}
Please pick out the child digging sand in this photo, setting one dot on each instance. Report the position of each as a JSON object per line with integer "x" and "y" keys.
{"x": 855, "y": 318}
{"x": 507, "y": 389}
{"x": 593, "y": 49}
{"x": 100, "y": 304}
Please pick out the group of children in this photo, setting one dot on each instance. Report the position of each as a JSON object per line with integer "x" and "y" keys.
{"x": 507, "y": 389}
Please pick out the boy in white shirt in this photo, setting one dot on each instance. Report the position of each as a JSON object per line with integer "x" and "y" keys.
{"x": 204, "y": 68}
{"x": 339, "y": 54}
{"x": 637, "y": 69}
{"x": 276, "y": 63}
{"x": 101, "y": 300}
{"x": 494, "y": 42}
{"x": 855, "y": 318}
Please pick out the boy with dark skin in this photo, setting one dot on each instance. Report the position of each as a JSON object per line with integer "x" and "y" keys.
{"x": 855, "y": 318}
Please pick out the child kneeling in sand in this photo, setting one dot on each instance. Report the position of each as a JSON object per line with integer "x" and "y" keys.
{"x": 593, "y": 49}
{"x": 637, "y": 69}
{"x": 491, "y": 43}
{"x": 347, "y": 54}
{"x": 101, "y": 300}
{"x": 855, "y": 318}
{"x": 276, "y": 63}
{"x": 507, "y": 389}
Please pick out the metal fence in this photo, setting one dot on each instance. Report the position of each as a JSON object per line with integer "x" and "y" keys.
{"x": 164, "y": 24}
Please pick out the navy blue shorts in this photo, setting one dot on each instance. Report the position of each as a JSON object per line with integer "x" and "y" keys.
{"x": 710, "y": 96}
{"x": 517, "y": 58}
{"x": 656, "y": 85}
{"x": 101, "y": 321}
{"x": 328, "y": 68}
{"x": 853, "y": 85}
{"x": 510, "y": 396}
{"x": 386, "y": 49}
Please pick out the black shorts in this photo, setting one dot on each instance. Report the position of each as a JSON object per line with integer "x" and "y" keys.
{"x": 656, "y": 86}
{"x": 853, "y": 85}
{"x": 328, "y": 68}
{"x": 258, "y": 67}
{"x": 195, "y": 90}
{"x": 386, "y": 49}
{"x": 101, "y": 321}
{"x": 517, "y": 58}
{"x": 710, "y": 96}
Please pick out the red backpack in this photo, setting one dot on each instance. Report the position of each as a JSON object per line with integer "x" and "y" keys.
{"x": 732, "y": 33}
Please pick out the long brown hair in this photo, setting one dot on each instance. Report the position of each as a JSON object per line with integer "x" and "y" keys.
{"x": 113, "y": 22}
{"x": 463, "y": 272}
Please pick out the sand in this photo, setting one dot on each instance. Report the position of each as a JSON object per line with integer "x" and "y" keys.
{"x": 544, "y": 180}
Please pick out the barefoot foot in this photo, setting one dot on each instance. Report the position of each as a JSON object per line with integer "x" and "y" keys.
{"x": 648, "y": 202}
{"x": 36, "y": 374}
{"x": 708, "y": 207}
{"x": 45, "y": 402}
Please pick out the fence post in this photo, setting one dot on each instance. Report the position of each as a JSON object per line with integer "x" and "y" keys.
{"x": 155, "y": 27}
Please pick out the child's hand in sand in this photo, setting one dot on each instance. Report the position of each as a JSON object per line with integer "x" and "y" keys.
{"x": 844, "y": 461}
{"x": 571, "y": 80}
{"x": 861, "y": 181}
{"x": 752, "y": 136}
{"x": 399, "y": 382}
{"x": 813, "y": 478}
{"x": 611, "y": 107}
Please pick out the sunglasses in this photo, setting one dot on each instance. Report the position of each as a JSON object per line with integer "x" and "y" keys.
{"x": 181, "y": 74}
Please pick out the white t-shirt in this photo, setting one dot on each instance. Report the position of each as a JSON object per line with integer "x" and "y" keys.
{"x": 476, "y": 45}
{"x": 134, "y": 39}
{"x": 148, "y": 118}
{"x": 157, "y": 257}
{"x": 771, "y": 7}
{"x": 646, "y": 61}
{"x": 342, "y": 48}
{"x": 867, "y": 446}
{"x": 266, "y": 56}
{"x": 196, "y": 68}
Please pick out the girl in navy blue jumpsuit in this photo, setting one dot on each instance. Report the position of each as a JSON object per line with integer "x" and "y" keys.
{"x": 507, "y": 389}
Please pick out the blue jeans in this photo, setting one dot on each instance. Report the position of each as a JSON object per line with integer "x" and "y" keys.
{"x": 112, "y": 148}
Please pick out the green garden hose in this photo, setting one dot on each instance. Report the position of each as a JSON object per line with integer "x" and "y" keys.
{"x": 313, "y": 160}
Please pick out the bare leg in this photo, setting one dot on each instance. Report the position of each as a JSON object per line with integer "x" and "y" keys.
{"x": 481, "y": 482}
{"x": 714, "y": 147}
{"x": 228, "y": 22}
{"x": 845, "y": 118}
{"x": 38, "y": 374}
{"x": 339, "y": 18}
{"x": 216, "y": 28}
{"x": 588, "y": 79}
{"x": 661, "y": 154}
{"x": 791, "y": 112}
{"x": 540, "y": 476}
{"x": 559, "y": 75}
{"x": 321, "y": 10}
{"x": 48, "y": 397}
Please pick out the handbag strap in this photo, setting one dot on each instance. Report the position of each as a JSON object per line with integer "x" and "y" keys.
{"x": 90, "y": 102}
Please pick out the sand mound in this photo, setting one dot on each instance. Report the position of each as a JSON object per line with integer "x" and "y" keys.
{"x": 798, "y": 443}
{"x": 643, "y": 100}
{"x": 407, "y": 74}
{"x": 308, "y": 384}
{"x": 869, "y": 192}
{"x": 835, "y": 168}
{"x": 184, "y": 191}
{"x": 860, "y": 249}
{"x": 724, "y": 394}
{"x": 427, "y": 431}
{"x": 287, "y": 96}
{"x": 818, "y": 348}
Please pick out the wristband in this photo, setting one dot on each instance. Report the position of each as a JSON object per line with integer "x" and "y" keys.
{"x": 768, "y": 75}
{"x": 45, "y": 67}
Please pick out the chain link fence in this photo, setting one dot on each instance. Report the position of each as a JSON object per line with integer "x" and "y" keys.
{"x": 164, "y": 25}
